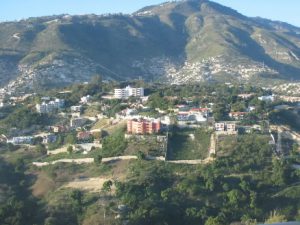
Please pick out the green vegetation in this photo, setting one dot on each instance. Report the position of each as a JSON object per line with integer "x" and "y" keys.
{"x": 239, "y": 187}
{"x": 113, "y": 145}
{"x": 245, "y": 182}
{"x": 23, "y": 118}
{"x": 147, "y": 145}
{"x": 17, "y": 206}
{"x": 287, "y": 117}
{"x": 189, "y": 144}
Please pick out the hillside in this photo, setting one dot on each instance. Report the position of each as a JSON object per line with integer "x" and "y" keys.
{"x": 181, "y": 42}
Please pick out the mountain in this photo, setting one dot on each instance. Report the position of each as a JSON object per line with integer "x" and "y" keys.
{"x": 177, "y": 42}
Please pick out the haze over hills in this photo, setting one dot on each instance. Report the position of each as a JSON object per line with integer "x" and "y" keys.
{"x": 180, "y": 42}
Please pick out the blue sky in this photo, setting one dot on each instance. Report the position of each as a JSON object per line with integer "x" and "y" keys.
{"x": 284, "y": 10}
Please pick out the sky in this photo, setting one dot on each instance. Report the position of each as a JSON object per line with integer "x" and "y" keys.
{"x": 283, "y": 10}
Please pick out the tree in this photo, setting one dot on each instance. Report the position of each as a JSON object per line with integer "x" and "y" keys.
{"x": 41, "y": 148}
{"x": 70, "y": 149}
{"x": 98, "y": 159}
{"x": 213, "y": 221}
{"x": 76, "y": 196}
{"x": 235, "y": 197}
{"x": 106, "y": 187}
{"x": 70, "y": 139}
{"x": 219, "y": 111}
{"x": 279, "y": 175}
{"x": 141, "y": 155}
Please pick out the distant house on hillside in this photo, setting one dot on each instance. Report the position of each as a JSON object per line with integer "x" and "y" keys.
{"x": 267, "y": 98}
{"x": 237, "y": 115}
{"x": 284, "y": 223}
{"x": 245, "y": 96}
{"x": 51, "y": 138}
{"x": 50, "y": 106}
{"x": 21, "y": 140}
{"x": 85, "y": 99}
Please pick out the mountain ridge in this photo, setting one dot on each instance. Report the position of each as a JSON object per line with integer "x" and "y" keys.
{"x": 178, "y": 42}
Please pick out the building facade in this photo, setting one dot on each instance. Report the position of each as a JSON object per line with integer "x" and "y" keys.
{"x": 141, "y": 126}
{"x": 123, "y": 93}
{"x": 50, "y": 106}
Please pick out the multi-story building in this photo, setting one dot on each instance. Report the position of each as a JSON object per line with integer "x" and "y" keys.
{"x": 220, "y": 126}
{"x": 123, "y": 93}
{"x": 50, "y": 106}
{"x": 229, "y": 127}
{"x": 142, "y": 126}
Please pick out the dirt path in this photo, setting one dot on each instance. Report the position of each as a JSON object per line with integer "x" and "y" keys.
{"x": 94, "y": 184}
{"x": 84, "y": 160}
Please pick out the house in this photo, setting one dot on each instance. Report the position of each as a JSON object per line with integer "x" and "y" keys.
{"x": 285, "y": 223}
{"x": 59, "y": 129}
{"x": 289, "y": 98}
{"x": 76, "y": 108}
{"x": 245, "y": 96}
{"x": 237, "y": 115}
{"x": 229, "y": 127}
{"x": 21, "y": 140}
{"x": 85, "y": 99}
{"x": 267, "y": 98}
{"x": 51, "y": 106}
{"x": 250, "y": 129}
{"x": 220, "y": 126}
{"x": 84, "y": 136}
{"x": 127, "y": 113}
{"x": 51, "y": 138}
{"x": 77, "y": 122}
{"x": 124, "y": 93}
{"x": 192, "y": 115}
{"x": 142, "y": 126}
{"x": 251, "y": 108}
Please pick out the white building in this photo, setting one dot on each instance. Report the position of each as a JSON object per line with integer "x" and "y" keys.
{"x": 220, "y": 126}
{"x": 123, "y": 93}
{"x": 85, "y": 99}
{"x": 50, "y": 106}
{"x": 230, "y": 127}
{"x": 76, "y": 108}
{"x": 21, "y": 140}
{"x": 267, "y": 98}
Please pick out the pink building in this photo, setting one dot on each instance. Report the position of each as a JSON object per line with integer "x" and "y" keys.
{"x": 142, "y": 126}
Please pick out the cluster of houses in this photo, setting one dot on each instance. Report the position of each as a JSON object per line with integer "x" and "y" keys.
{"x": 185, "y": 115}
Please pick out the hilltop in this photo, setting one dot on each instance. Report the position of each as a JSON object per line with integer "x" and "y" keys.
{"x": 179, "y": 42}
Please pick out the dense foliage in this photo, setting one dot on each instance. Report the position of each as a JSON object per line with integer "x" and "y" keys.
{"x": 239, "y": 187}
